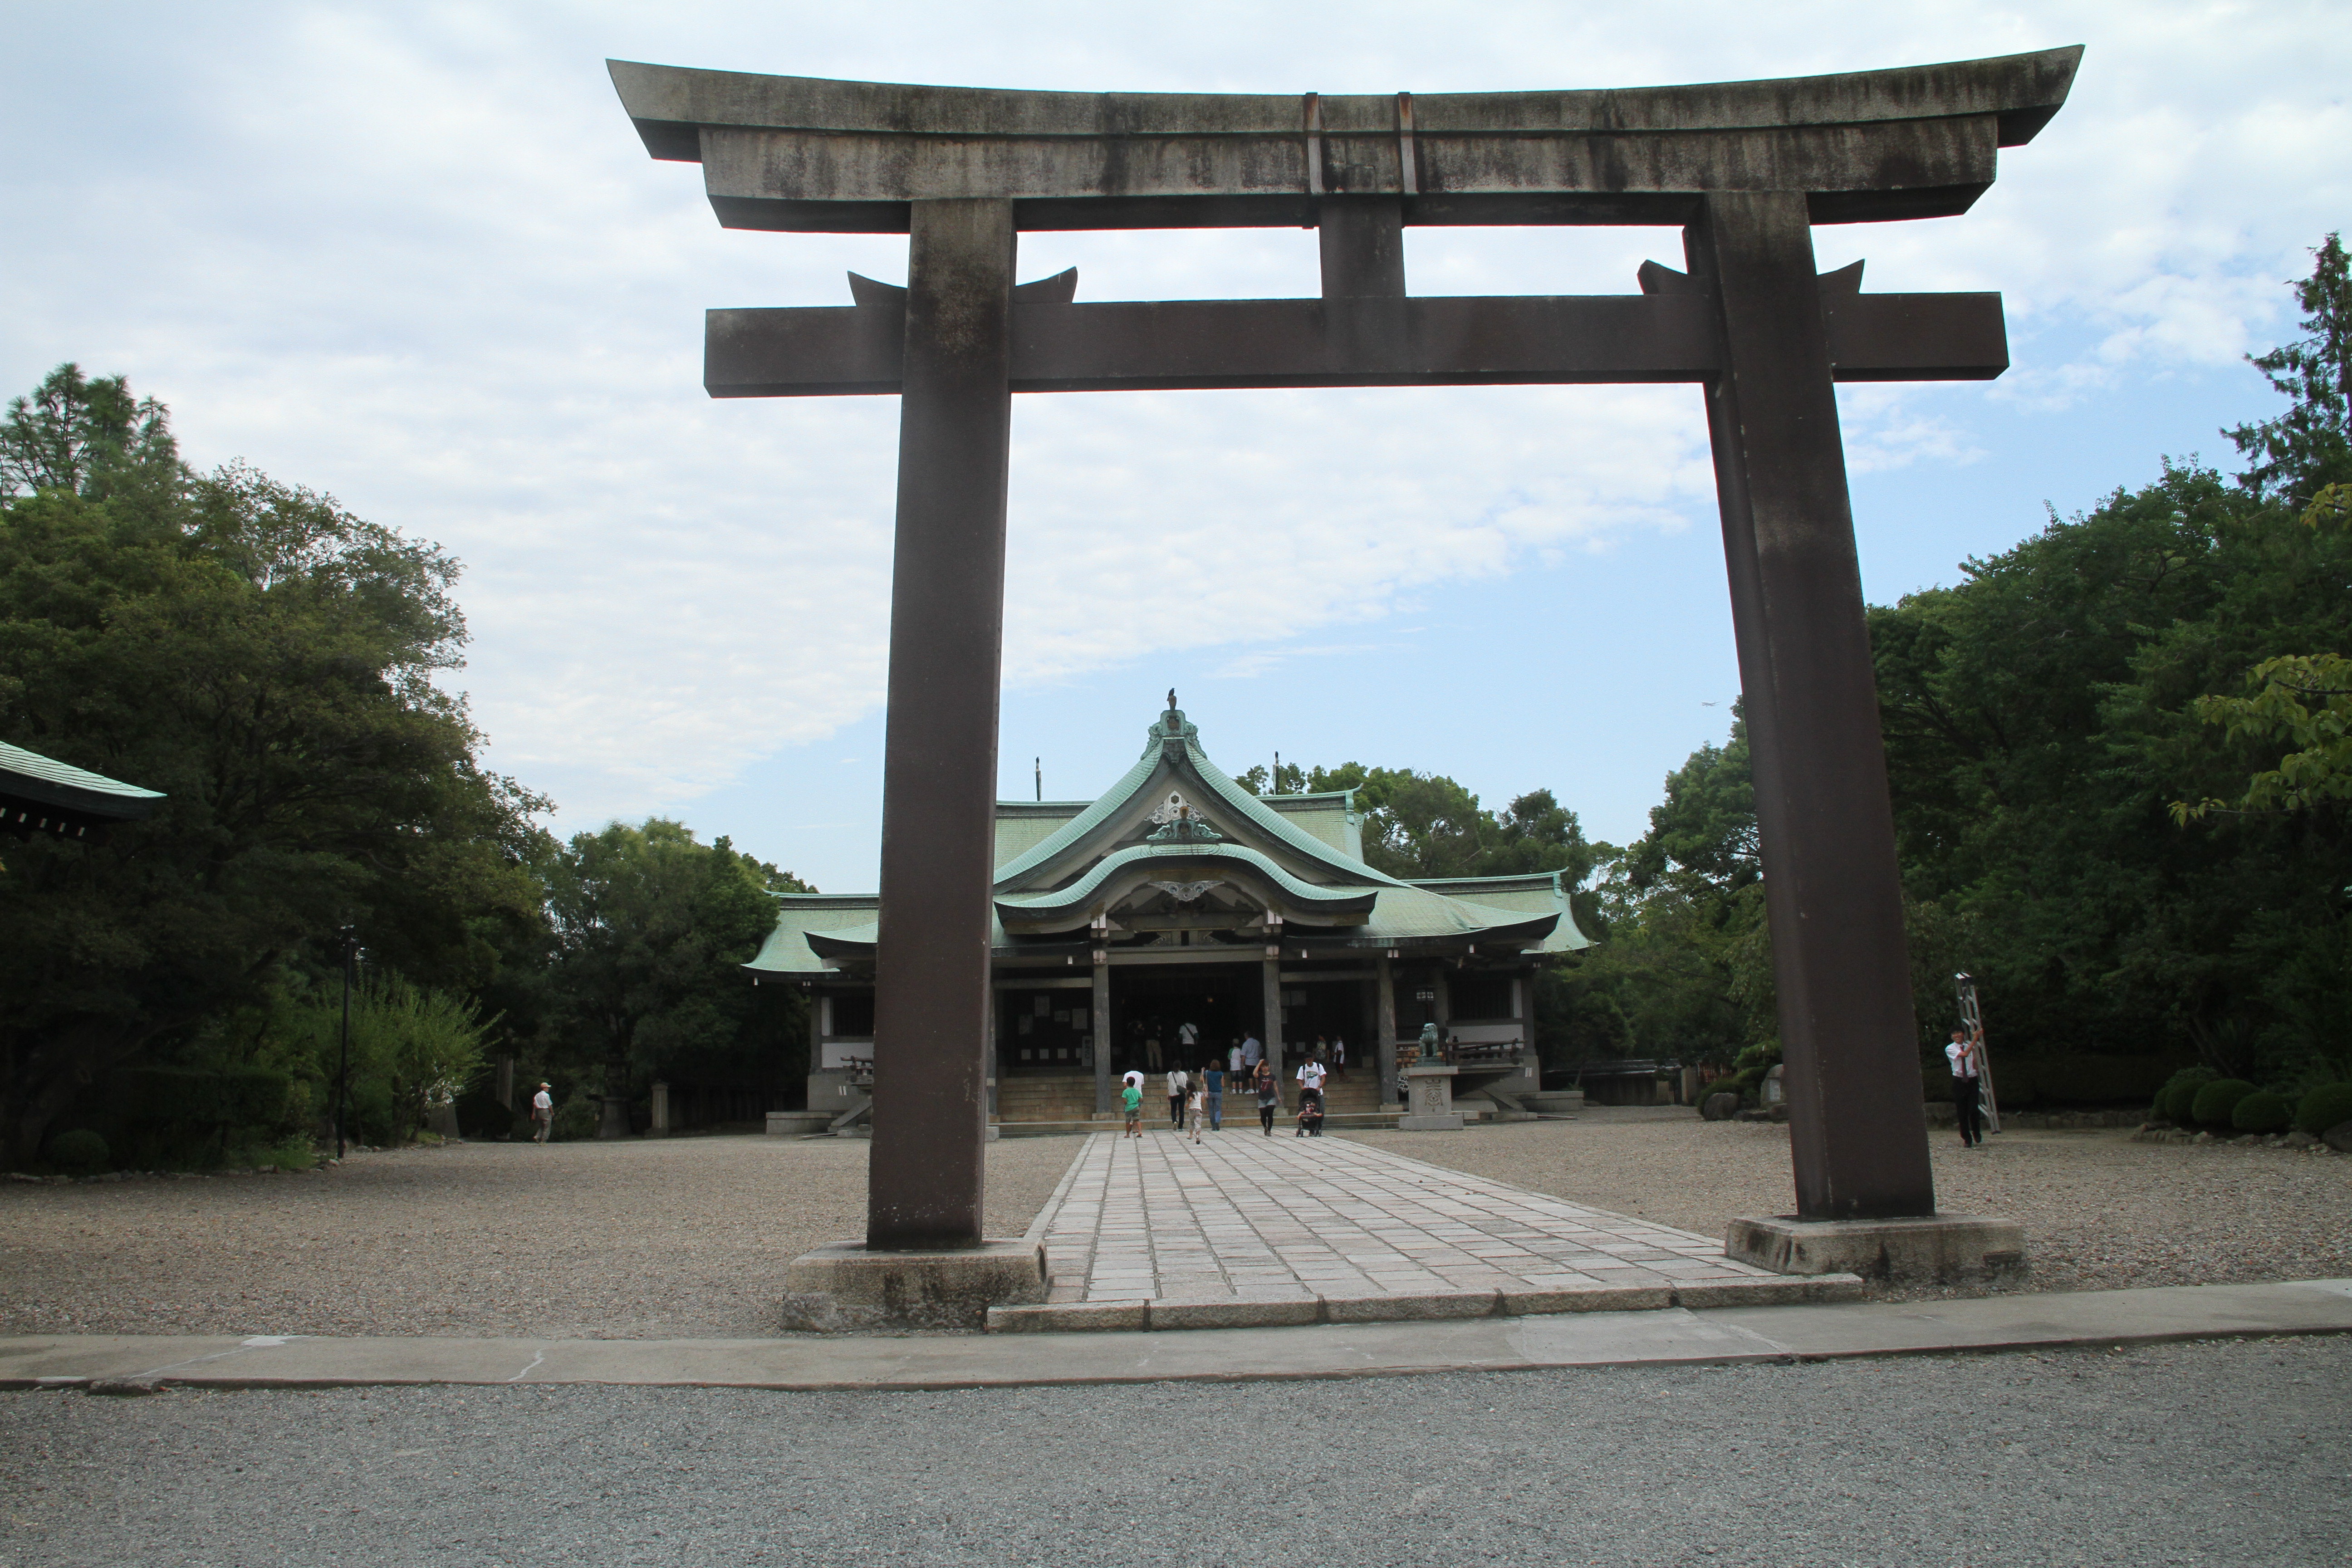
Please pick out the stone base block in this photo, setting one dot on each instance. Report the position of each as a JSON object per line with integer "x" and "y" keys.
{"x": 1451, "y": 1122}
{"x": 846, "y": 1289}
{"x": 1941, "y": 1247}
{"x": 798, "y": 1123}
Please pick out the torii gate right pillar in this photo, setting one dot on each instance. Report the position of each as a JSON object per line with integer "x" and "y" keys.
{"x": 1833, "y": 889}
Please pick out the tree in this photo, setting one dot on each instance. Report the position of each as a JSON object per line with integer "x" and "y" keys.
{"x": 1426, "y": 825}
{"x": 268, "y": 661}
{"x": 75, "y": 435}
{"x": 2308, "y": 447}
{"x": 651, "y": 929}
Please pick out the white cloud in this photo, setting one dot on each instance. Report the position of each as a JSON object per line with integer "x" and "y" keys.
{"x": 416, "y": 256}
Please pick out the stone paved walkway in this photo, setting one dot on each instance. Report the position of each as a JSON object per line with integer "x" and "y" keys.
{"x": 1241, "y": 1219}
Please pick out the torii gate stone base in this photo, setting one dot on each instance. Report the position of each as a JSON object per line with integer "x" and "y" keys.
{"x": 1744, "y": 169}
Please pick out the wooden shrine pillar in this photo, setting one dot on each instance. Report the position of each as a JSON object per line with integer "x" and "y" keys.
{"x": 932, "y": 998}
{"x": 1833, "y": 895}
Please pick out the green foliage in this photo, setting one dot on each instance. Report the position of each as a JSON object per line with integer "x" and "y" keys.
{"x": 1427, "y": 825}
{"x": 2310, "y": 444}
{"x": 2216, "y": 1100}
{"x": 2325, "y": 1106}
{"x": 650, "y": 931}
{"x": 576, "y": 1118}
{"x": 2072, "y": 1079}
{"x": 411, "y": 1047}
{"x": 2174, "y": 1100}
{"x": 83, "y": 437}
{"x": 2264, "y": 1111}
{"x": 480, "y": 1115}
{"x": 80, "y": 1151}
{"x": 268, "y": 660}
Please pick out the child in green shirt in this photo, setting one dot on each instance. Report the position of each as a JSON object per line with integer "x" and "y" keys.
{"x": 1132, "y": 1098}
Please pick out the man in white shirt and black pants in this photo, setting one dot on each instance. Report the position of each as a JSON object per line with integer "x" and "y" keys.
{"x": 1966, "y": 1053}
{"x": 1310, "y": 1087}
{"x": 1179, "y": 1081}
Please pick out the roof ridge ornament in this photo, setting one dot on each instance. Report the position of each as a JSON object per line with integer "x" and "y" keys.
{"x": 1180, "y": 823}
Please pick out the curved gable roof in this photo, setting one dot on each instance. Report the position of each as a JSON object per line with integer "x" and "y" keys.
{"x": 1173, "y": 746}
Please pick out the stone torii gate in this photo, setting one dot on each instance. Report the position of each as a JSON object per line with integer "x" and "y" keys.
{"x": 1744, "y": 169}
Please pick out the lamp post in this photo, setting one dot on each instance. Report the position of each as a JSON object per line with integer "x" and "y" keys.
{"x": 351, "y": 940}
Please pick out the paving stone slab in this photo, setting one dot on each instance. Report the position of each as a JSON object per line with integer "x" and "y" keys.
{"x": 1372, "y": 1236}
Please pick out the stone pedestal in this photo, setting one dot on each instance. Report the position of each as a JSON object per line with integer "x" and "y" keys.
{"x": 1430, "y": 1091}
{"x": 1937, "y": 1249}
{"x": 660, "y": 1129}
{"x": 846, "y": 1287}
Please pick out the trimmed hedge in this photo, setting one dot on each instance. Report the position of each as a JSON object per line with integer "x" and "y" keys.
{"x": 2174, "y": 1100}
{"x": 2071, "y": 1078}
{"x": 2216, "y": 1100}
{"x": 2261, "y": 1111}
{"x": 2329, "y": 1105}
{"x": 80, "y": 1151}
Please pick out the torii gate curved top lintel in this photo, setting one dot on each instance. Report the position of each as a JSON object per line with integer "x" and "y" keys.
{"x": 1744, "y": 168}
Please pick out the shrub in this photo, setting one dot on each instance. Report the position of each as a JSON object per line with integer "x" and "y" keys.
{"x": 2174, "y": 1100}
{"x": 2329, "y": 1105}
{"x": 2261, "y": 1111}
{"x": 80, "y": 1151}
{"x": 577, "y": 1116}
{"x": 2216, "y": 1100}
{"x": 480, "y": 1115}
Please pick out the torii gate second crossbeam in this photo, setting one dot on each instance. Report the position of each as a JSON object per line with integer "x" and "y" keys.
{"x": 1745, "y": 169}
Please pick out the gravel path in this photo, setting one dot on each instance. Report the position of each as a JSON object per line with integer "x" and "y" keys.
{"x": 683, "y": 1238}
{"x": 2100, "y": 1212}
{"x": 2227, "y": 1453}
{"x": 688, "y": 1238}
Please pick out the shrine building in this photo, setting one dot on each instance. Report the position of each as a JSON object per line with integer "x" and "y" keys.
{"x": 1179, "y": 897}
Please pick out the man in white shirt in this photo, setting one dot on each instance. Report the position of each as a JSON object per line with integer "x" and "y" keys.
{"x": 1188, "y": 1043}
{"x": 542, "y": 1114}
{"x": 1966, "y": 1053}
{"x": 1339, "y": 1056}
{"x": 1310, "y": 1085}
{"x": 1251, "y": 1051}
{"x": 1178, "y": 1080}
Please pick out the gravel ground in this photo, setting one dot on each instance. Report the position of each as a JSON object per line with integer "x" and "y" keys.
{"x": 683, "y": 1238}
{"x": 2211, "y": 1453}
{"x": 2100, "y": 1212}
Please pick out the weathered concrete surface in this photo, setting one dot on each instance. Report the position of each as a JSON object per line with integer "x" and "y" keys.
{"x": 1941, "y": 1249}
{"x": 845, "y": 1287}
{"x": 807, "y": 153}
{"x": 137, "y": 1363}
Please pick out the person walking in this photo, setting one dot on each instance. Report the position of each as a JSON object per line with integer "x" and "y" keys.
{"x": 1187, "y": 1041}
{"x": 1268, "y": 1097}
{"x": 1310, "y": 1091}
{"x": 1212, "y": 1078}
{"x": 1130, "y": 1098}
{"x": 1196, "y": 1108}
{"x": 543, "y": 1115}
{"x": 1252, "y": 1052}
{"x": 1178, "y": 1081}
{"x": 1966, "y": 1053}
{"x": 1339, "y": 1056}
{"x": 1233, "y": 1059}
{"x": 1151, "y": 1046}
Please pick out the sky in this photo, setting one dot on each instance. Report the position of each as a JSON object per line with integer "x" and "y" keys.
{"x": 414, "y": 257}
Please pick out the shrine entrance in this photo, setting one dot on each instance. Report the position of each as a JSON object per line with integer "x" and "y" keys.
{"x": 1744, "y": 170}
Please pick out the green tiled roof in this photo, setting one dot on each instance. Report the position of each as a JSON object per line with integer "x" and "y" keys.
{"x": 1055, "y": 857}
{"x": 1177, "y": 743}
{"x": 1078, "y": 893}
{"x": 30, "y": 776}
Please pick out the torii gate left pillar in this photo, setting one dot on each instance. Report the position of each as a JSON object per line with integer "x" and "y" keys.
{"x": 1745, "y": 169}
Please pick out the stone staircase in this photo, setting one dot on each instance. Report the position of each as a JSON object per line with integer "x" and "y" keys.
{"x": 1059, "y": 1098}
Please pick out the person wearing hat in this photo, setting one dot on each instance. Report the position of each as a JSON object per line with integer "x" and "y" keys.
{"x": 542, "y": 1114}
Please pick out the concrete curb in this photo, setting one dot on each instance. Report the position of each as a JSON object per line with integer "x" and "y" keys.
{"x": 1675, "y": 1336}
{"x": 1164, "y": 1313}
